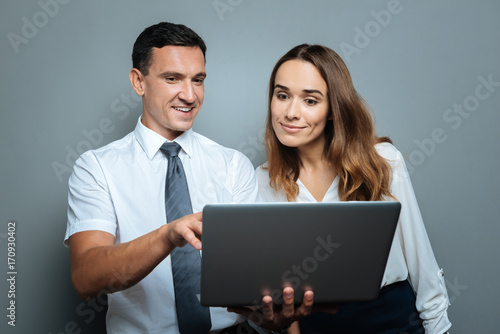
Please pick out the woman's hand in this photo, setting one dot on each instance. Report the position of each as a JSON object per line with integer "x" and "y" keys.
{"x": 269, "y": 318}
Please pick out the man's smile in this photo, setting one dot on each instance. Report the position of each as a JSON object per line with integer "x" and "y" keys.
{"x": 183, "y": 109}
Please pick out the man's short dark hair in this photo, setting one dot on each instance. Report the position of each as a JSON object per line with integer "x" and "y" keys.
{"x": 158, "y": 36}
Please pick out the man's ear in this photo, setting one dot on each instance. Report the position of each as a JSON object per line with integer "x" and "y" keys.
{"x": 137, "y": 81}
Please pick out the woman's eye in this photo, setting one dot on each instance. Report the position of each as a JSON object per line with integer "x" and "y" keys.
{"x": 281, "y": 96}
{"x": 311, "y": 102}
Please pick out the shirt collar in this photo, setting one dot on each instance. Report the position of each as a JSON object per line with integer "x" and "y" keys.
{"x": 151, "y": 141}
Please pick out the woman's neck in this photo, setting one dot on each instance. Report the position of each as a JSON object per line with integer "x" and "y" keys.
{"x": 316, "y": 172}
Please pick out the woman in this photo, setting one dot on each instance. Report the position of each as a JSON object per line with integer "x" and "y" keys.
{"x": 321, "y": 146}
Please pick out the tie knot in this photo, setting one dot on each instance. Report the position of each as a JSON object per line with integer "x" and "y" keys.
{"x": 170, "y": 149}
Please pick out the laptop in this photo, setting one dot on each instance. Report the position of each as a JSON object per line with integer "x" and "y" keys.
{"x": 339, "y": 250}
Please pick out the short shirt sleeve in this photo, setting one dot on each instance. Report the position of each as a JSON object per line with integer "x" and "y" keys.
{"x": 90, "y": 206}
{"x": 243, "y": 179}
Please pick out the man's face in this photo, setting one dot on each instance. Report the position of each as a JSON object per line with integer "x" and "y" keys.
{"x": 173, "y": 91}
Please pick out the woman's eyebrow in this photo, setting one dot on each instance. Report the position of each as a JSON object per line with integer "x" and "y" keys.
{"x": 308, "y": 91}
{"x": 312, "y": 91}
{"x": 281, "y": 87}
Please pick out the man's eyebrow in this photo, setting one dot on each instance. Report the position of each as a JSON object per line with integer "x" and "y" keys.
{"x": 177, "y": 74}
{"x": 308, "y": 91}
{"x": 171, "y": 73}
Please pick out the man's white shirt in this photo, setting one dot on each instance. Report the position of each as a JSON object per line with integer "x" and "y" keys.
{"x": 120, "y": 189}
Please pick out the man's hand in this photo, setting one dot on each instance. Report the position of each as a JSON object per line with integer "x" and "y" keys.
{"x": 98, "y": 264}
{"x": 185, "y": 230}
{"x": 266, "y": 317}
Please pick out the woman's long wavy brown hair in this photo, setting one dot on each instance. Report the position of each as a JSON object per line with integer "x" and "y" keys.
{"x": 350, "y": 135}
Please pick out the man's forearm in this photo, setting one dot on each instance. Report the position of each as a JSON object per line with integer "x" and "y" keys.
{"x": 100, "y": 266}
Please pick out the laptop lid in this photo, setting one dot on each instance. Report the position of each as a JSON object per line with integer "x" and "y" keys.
{"x": 339, "y": 250}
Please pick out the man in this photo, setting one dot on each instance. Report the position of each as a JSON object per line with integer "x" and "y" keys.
{"x": 119, "y": 231}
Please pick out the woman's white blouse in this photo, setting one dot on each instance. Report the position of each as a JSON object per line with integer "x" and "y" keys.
{"x": 411, "y": 256}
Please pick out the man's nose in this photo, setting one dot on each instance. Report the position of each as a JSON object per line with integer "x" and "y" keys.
{"x": 187, "y": 92}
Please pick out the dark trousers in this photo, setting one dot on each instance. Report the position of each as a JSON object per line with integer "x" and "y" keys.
{"x": 393, "y": 312}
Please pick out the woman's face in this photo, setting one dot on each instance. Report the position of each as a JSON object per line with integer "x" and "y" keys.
{"x": 299, "y": 106}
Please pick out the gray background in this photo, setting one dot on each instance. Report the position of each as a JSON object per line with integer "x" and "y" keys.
{"x": 62, "y": 80}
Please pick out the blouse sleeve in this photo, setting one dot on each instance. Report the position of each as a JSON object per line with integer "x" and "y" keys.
{"x": 266, "y": 192}
{"x": 426, "y": 278}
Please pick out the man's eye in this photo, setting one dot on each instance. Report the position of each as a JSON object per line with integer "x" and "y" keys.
{"x": 199, "y": 81}
{"x": 171, "y": 79}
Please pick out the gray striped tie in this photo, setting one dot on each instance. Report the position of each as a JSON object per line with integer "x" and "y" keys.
{"x": 193, "y": 318}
